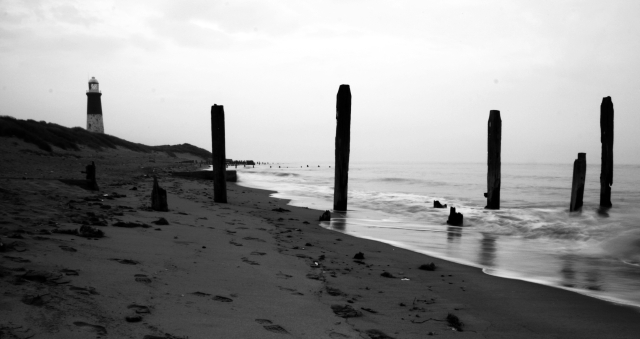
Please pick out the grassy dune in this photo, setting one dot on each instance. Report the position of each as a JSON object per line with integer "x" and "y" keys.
{"x": 45, "y": 135}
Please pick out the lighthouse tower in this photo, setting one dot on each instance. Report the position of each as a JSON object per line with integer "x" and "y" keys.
{"x": 94, "y": 107}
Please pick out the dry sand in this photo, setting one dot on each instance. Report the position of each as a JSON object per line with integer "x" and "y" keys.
{"x": 236, "y": 270}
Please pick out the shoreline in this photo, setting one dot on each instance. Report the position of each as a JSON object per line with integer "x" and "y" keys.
{"x": 242, "y": 269}
{"x": 614, "y": 286}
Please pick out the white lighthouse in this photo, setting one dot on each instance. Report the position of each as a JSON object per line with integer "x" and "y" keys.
{"x": 94, "y": 107}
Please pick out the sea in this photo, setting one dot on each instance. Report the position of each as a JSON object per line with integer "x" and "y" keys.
{"x": 533, "y": 237}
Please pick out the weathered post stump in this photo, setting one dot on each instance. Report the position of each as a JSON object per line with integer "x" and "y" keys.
{"x": 455, "y": 218}
{"x": 493, "y": 160}
{"x": 437, "y": 204}
{"x": 158, "y": 197}
{"x": 218, "y": 158}
{"x": 606, "y": 138}
{"x": 343, "y": 141}
{"x": 326, "y": 216}
{"x": 92, "y": 183}
{"x": 577, "y": 186}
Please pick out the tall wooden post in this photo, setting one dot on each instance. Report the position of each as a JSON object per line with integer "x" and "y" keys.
{"x": 343, "y": 140}
{"x": 218, "y": 158}
{"x": 606, "y": 138}
{"x": 494, "y": 147}
{"x": 577, "y": 187}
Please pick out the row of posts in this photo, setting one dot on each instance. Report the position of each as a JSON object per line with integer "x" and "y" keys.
{"x": 494, "y": 145}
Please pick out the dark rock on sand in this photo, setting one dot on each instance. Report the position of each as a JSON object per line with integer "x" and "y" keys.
{"x": 280, "y": 209}
{"x": 345, "y": 311}
{"x": 455, "y": 218}
{"x": 437, "y": 204}
{"x": 359, "y": 256}
{"x": 133, "y": 318}
{"x": 161, "y": 221}
{"x": 90, "y": 232}
{"x": 326, "y": 216}
{"x": 455, "y": 322}
{"x": 428, "y": 267}
{"x": 387, "y": 275}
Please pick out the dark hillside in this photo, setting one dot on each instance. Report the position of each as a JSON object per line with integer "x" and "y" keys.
{"x": 44, "y": 135}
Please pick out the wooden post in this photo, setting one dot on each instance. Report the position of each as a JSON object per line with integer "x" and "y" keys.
{"x": 90, "y": 170}
{"x": 577, "y": 187}
{"x": 158, "y": 197}
{"x": 343, "y": 141}
{"x": 218, "y": 159}
{"x": 606, "y": 138}
{"x": 493, "y": 160}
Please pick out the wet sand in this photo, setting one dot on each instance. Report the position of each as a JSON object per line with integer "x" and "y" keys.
{"x": 252, "y": 268}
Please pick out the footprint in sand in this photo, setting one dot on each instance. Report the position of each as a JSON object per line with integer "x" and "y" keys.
{"x": 125, "y": 261}
{"x": 334, "y": 291}
{"x": 275, "y": 329}
{"x": 140, "y": 309}
{"x": 336, "y": 335}
{"x": 99, "y": 330}
{"x": 254, "y": 239}
{"x": 258, "y": 253}
{"x": 377, "y": 334}
{"x": 283, "y": 276}
{"x": 17, "y": 259}
{"x": 250, "y": 262}
{"x": 201, "y": 294}
{"x": 235, "y": 243}
{"x": 264, "y": 321}
{"x": 68, "y": 248}
{"x": 67, "y": 271}
{"x": 36, "y": 300}
{"x": 141, "y": 278}
{"x": 84, "y": 290}
{"x": 292, "y": 290}
{"x": 222, "y": 299}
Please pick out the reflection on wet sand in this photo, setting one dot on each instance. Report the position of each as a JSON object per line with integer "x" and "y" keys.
{"x": 454, "y": 233}
{"x": 571, "y": 276}
{"x": 567, "y": 272}
{"x": 487, "y": 250}
{"x": 338, "y": 222}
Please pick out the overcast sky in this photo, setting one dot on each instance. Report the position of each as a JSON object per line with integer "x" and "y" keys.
{"x": 423, "y": 74}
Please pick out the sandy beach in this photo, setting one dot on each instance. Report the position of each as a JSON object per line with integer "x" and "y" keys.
{"x": 252, "y": 268}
